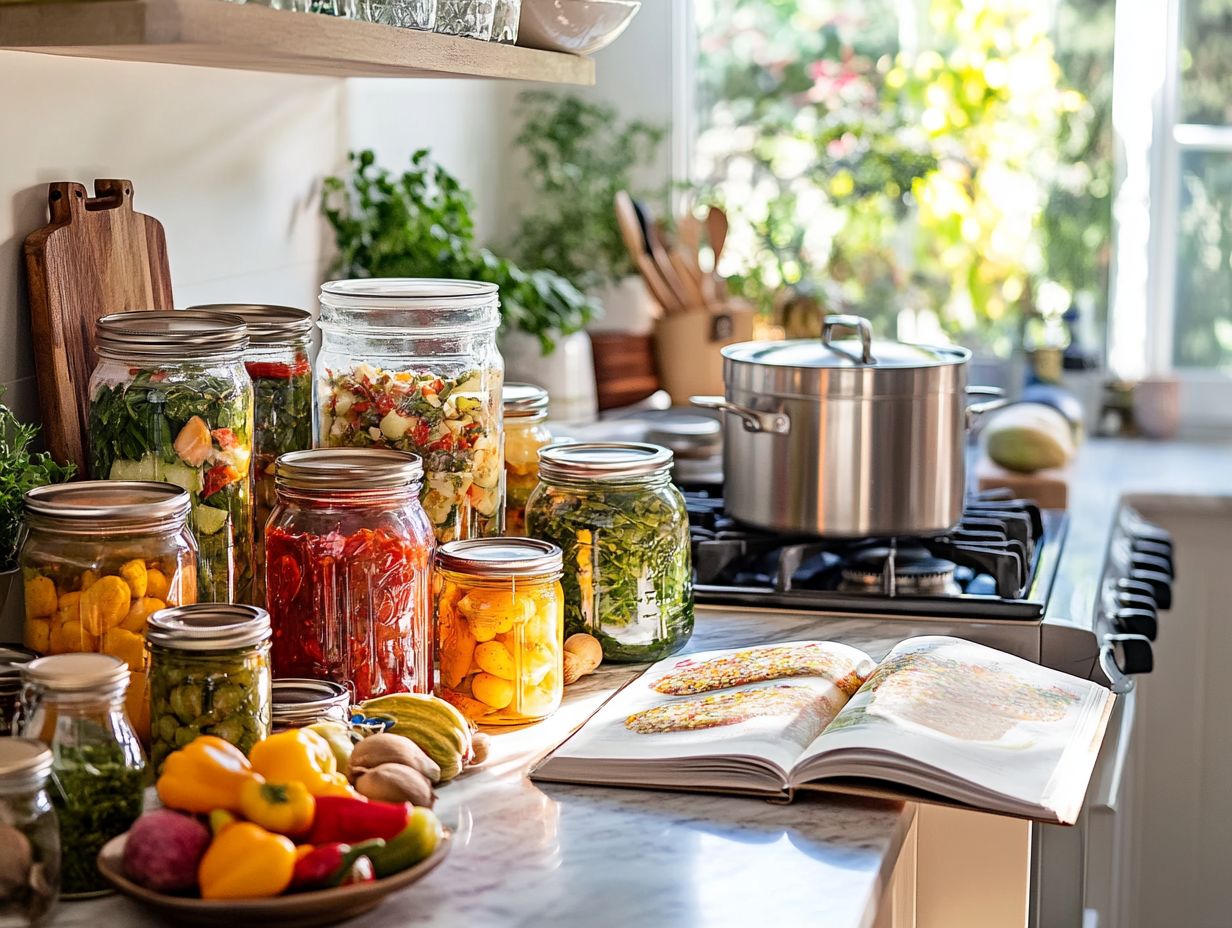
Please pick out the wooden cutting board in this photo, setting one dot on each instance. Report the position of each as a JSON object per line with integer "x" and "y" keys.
{"x": 96, "y": 256}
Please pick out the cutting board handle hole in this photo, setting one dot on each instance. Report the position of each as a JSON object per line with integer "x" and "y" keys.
{"x": 54, "y": 196}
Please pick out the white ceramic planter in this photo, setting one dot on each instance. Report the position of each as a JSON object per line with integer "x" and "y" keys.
{"x": 568, "y": 373}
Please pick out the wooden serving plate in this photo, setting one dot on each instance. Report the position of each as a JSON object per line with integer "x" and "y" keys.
{"x": 318, "y": 907}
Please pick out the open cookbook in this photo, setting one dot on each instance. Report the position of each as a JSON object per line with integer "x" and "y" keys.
{"x": 940, "y": 720}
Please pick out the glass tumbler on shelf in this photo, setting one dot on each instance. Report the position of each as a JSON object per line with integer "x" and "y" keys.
{"x": 408, "y": 14}
{"x": 505, "y": 21}
{"x": 471, "y": 19}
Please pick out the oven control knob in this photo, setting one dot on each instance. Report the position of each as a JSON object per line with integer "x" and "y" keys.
{"x": 1153, "y": 562}
{"x": 1161, "y": 551}
{"x": 1160, "y": 583}
{"x": 1133, "y": 652}
{"x": 1137, "y": 622}
{"x": 1145, "y": 531}
{"x": 1136, "y": 601}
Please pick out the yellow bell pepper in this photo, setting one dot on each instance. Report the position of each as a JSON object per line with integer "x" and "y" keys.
{"x": 286, "y": 808}
{"x": 300, "y": 755}
{"x": 246, "y": 862}
{"x": 206, "y": 774}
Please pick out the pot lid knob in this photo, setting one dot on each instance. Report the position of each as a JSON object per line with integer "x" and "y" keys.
{"x": 861, "y": 325}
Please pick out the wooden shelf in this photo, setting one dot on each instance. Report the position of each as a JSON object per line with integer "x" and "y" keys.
{"x": 218, "y": 34}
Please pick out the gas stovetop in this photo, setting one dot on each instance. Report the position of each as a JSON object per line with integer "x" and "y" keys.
{"x": 998, "y": 563}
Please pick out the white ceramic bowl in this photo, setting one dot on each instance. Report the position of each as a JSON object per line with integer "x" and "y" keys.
{"x": 580, "y": 27}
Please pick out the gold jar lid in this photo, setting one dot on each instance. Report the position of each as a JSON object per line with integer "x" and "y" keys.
{"x": 500, "y": 557}
{"x": 347, "y": 469}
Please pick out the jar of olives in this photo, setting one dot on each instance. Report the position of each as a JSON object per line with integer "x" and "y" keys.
{"x": 526, "y": 433}
{"x": 209, "y": 675}
{"x": 500, "y": 628}
{"x": 29, "y": 834}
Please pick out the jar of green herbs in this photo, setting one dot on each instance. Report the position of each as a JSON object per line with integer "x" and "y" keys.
{"x": 209, "y": 675}
{"x": 98, "y": 772}
{"x": 621, "y": 523}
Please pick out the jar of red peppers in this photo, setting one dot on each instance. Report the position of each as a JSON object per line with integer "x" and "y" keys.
{"x": 348, "y": 554}
{"x": 279, "y": 339}
{"x": 411, "y": 364}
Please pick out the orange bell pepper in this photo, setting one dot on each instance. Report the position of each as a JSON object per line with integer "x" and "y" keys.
{"x": 246, "y": 862}
{"x": 286, "y": 808}
{"x": 205, "y": 775}
{"x": 300, "y": 755}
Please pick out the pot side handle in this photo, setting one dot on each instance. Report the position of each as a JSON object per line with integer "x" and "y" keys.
{"x": 975, "y": 410}
{"x": 776, "y": 423}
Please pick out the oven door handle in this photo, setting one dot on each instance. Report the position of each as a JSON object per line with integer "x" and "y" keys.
{"x": 1108, "y": 792}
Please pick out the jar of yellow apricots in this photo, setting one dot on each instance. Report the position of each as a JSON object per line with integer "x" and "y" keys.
{"x": 500, "y": 628}
{"x": 99, "y": 557}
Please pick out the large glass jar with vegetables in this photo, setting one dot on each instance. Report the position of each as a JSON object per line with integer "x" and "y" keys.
{"x": 98, "y": 768}
{"x": 29, "y": 834}
{"x": 613, "y": 510}
{"x": 412, "y": 365}
{"x": 526, "y": 433}
{"x": 209, "y": 675}
{"x": 277, "y": 361}
{"x": 170, "y": 400}
{"x": 500, "y": 628}
{"x": 98, "y": 559}
{"x": 347, "y": 561}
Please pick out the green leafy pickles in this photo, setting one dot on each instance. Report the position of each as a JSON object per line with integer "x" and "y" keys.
{"x": 627, "y": 567}
{"x": 227, "y": 694}
{"x": 193, "y": 427}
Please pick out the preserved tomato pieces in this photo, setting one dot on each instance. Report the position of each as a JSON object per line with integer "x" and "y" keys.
{"x": 350, "y": 608}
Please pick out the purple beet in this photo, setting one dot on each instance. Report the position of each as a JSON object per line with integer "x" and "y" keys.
{"x": 163, "y": 850}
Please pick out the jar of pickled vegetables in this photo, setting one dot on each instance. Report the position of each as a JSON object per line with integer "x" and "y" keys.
{"x": 500, "y": 628}
{"x": 347, "y": 561}
{"x": 209, "y": 675}
{"x": 526, "y": 432}
{"x": 412, "y": 365}
{"x": 299, "y": 702}
{"x": 29, "y": 834}
{"x": 98, "y": 769}
{"x": 98, "y": 559}
{"x": 279, "y": 340}
{"x": 170, "y": 400}
{"x": 621, "y": 524}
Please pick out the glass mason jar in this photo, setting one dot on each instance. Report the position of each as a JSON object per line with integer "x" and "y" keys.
{"x": 526, "y": 433}
{"x": 500, "y": 629}
{"x": 412, "y": 365}
{"x": 472, "y": 19}
{"x": 29, "y": 834}
{"x": 76, "y": 708}
{"x": 348, "y": 555}
{"x": 621, "y": 523}
{"x": 409, "y": 14}
{"x": 12, "y": 659}
{"x": 98, "y": 559}
{"x": 299, "y": 701}
{"x": 277, "y": 361}
{"x": 170, "y": 400}
{"x": 209, "y": 675}
{"x": 505, "y": 21}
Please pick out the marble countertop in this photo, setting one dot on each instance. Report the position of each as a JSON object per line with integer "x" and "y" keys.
{"x": 549, "y": 854}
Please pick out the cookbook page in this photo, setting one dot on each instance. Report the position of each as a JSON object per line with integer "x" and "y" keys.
{"x": 766, "y": 702}
{"x": 971, "y": 713}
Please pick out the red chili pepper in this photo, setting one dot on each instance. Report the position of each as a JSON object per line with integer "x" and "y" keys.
{"x": 276, "y": 370}
{"x": 335, "y": 864}
{"x": 421, "y": 433}
{"x": 218, "y": 477}
{"x": 341, "y": 818}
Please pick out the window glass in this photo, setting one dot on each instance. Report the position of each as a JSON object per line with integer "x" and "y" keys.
{"x": 1206, "y": 62}
{"x": 1203, "y": 321}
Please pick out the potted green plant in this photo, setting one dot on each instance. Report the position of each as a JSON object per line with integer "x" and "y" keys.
{"x": 21, "y": 469}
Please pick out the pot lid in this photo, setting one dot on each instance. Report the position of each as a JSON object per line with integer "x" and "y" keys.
{"x": 500, "y": 557}
{"x": 843, "y": 353}
{"x": 208, "y": 627}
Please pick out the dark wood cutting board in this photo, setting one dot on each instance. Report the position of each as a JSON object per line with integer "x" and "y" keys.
{"x": 96, "y": 256}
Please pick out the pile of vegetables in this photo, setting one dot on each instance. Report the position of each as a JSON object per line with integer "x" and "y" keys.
{"x": 283, "y": 820}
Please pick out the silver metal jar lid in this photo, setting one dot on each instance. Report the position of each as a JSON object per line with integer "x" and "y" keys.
{"x": 12, "y": 658}
{"x": 429, "y": 290}
{"x": 208, "y": 627}
{"x": 603, "y": 460}
{"x": 81, "y": 673}
{"x": 346, "y": 469}
{"x": 24, "y": 762}
{"x": 524, "y": 399}
{"x": 170, "y": 335}
{"x": 500, "y": 557}
{"x": 302, "y": 701}
{"x": 267, "y": 325}
{"x": 95, "y": 507}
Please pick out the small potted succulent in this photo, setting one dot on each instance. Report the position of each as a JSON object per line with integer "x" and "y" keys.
{"x": 21, "y": 469}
